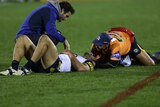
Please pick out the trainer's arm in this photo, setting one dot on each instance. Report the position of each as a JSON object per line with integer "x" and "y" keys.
{"x": 49, "y": 21}
{"x": 66, "y": 45}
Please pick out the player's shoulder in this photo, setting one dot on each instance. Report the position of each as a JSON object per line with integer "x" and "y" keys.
{"x": 114, "y": 44}
{"x": 114, "y": 41}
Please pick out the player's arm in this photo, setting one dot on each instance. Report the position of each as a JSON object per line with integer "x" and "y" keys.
{"x": 110, "y": 64}
{"x": 78, "y": 66}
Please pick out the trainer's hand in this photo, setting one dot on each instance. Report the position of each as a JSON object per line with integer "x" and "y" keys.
{"x": 66, "y": 45}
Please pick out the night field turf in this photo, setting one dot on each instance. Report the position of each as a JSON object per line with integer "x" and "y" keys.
{"x": 83, "y": 89}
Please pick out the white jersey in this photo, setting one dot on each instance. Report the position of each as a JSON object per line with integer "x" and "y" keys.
{"x": 80, "y": 58}
{"x": 66, "y": 62}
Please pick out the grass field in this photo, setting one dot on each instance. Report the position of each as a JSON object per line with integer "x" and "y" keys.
{"x": 83, "y": 89}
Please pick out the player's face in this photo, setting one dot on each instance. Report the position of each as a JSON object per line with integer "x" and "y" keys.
{"x": 102, "y": 47}
{"x": 99, "y": 48}
{"x": 64, "y": 16}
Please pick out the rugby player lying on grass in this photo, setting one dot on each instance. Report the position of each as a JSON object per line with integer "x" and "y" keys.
{"x": 118, "y": 46}
{"x": 49, "y": 60}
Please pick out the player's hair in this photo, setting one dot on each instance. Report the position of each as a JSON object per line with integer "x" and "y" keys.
{"x": 67, "y": 7}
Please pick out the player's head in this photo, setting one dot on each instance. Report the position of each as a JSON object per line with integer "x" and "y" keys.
{"x": 102, "y": 40}
{"x": 66, "y": 10}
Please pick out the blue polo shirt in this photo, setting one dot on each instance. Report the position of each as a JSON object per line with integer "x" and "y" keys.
{"x": 42, "y": 21}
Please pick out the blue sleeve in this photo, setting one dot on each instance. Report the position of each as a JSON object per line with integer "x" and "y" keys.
{"x": 116, "y": 56}
{"x": 50, "y": 26}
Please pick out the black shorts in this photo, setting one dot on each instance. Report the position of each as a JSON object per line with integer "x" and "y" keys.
{"x": 135, "y": 49}
{"x": 38, "y": 68}
{"x": 35, "y": 39}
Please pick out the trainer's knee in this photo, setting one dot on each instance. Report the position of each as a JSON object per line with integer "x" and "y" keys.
{"x": 43, "y": 38}
{"x": 20, "y": 38}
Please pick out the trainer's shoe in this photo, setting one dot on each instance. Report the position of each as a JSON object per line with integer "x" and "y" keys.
{"x": 9, "y": 71}
{"x": 25, "y": 71}
{"x": 6, "y": 72}
{"x": 18, "y": 73}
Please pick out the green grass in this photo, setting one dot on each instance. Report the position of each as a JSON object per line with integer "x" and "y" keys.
{"x": 83, "y": 89}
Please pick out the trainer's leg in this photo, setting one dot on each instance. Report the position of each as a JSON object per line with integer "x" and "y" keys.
{"x": 45, "y": 50}
{"x": 145, "y": 59}
{"x": 23, "y": 45}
